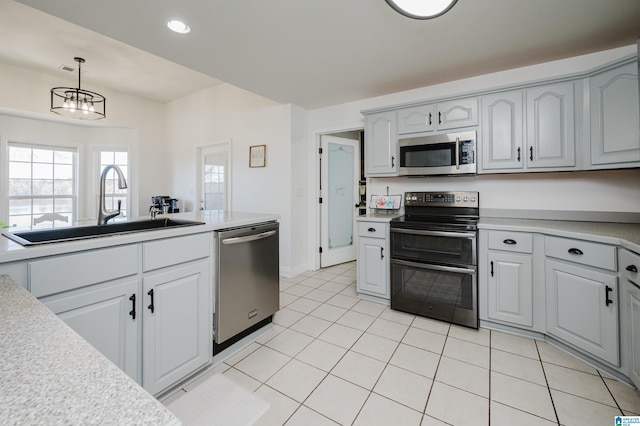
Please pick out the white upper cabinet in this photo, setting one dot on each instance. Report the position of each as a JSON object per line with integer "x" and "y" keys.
{"x": 416, "y": 119}
{"x": 502, "y": 136}
{"x": 454, "y": 114}
{"x": 615, "y": 133}
{"x": 551, "y": 138}
{"x": 381, "y": 144}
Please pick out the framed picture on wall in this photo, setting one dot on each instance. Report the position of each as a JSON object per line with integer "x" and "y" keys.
{"x": 257, "y": 156}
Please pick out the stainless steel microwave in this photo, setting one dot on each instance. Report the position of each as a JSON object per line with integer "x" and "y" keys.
{"x": 448, "y": 154}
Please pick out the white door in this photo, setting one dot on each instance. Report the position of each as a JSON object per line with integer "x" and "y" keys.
{"x": 214, "y": 177}
{"x": 339, "y": 180}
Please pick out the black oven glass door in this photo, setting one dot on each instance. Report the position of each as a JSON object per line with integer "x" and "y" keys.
{"x": 457, "y": 248}
{"x": 435, "y": 291}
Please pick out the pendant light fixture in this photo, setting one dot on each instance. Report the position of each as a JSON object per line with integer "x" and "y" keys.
{"x": 76, "y": 102}
{"x": 422, "y": 9}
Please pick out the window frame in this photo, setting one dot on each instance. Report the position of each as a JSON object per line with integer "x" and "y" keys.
{"x": 73, "y": 149}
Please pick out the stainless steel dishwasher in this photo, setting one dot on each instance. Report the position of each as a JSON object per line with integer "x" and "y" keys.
{"x": 246, "y": 281}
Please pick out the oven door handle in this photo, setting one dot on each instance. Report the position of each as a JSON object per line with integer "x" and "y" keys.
{"x": 434, "y": 233}
{"x": 433, "y": 267}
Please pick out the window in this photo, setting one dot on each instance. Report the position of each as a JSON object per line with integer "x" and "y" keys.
{"x": 42, "y": 189}
{"x": 112, "y": 193}
{"x": 214, "y": 181}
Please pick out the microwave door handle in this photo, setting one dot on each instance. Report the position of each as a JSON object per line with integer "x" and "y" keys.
{"x": 458, "y": 153}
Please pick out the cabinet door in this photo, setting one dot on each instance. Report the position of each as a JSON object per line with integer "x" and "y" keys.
{"x": 582, "y": 309}
{"x": 107, "y": 317}
{"x": 177, "y": 327}
{"x": 551, "y": 127}
{"x": 416, "y": 119}
{"x": 633, "y": 294}
{"x": 381, "y": 144}
{"x": 502, "y": 131}
{"x": 456, "y": 114}
{"x": 615, "y": 133}
{"x": 373, "y": 271}
{"x": 510, "y": 288}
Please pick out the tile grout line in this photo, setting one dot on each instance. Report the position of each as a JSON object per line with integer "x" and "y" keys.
{"x": 610, "y": 393}
{"x": 544, "y": 373}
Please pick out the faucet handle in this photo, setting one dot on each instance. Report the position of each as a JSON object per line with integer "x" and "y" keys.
{"x": 119, "y": 205}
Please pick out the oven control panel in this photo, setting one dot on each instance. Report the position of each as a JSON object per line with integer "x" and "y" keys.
{"x": 442, "y": 199}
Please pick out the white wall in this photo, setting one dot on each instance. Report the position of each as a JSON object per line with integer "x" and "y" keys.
{"x": 26, "y": 93}
{"x": 227, "y": 113}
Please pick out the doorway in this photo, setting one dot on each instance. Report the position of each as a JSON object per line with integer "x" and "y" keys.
{"x": 214, "y": 176}
{"x": 340, "y": 196}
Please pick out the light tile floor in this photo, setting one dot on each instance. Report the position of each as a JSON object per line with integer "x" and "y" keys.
{"x": 333, "y": 358}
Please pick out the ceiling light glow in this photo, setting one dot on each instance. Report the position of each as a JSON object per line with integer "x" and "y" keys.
{"x": 178, "y": 26}
{"x": 422, "y": 9}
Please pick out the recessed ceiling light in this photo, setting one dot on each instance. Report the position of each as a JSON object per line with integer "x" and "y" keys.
{"x": 178, "y": 26}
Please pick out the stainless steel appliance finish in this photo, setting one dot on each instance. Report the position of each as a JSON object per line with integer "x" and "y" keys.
{"x": 247, "y": 278}
{"x": 446, "y": 154}
{"x": 434, "y": 257}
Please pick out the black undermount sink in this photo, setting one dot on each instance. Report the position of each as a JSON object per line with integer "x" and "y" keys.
{"x": 30, "y": 238}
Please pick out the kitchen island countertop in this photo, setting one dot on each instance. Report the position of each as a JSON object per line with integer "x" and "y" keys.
{"x": 50, "y": 375}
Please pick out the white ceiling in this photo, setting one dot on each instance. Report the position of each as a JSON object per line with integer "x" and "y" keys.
{"x": 311, "y": 53}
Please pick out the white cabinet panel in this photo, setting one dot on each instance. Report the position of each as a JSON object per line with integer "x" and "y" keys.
{"x": 633, "y": 293}
{"x": 457, "y": 113}
{"x": 381, "y": 144}
{"x": 373, "y": 259}
{"x": 585, "y": 252}
{"x": 551, "y": 126}
{"x": 68, "y": 272}
{"x": 582, "y": 308}
{"x": 416, "y": 119}
{"x": 177, "y": 326}
{"x": 502, "y": 131}
{"x": 173, "y": 251}
{"x": 615, "y": 132}
{"x": 107, "y": 317}
{"x": 510, "y": 288}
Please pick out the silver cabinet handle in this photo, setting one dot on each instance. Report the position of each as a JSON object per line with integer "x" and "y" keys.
{"x": 239, "y": 240}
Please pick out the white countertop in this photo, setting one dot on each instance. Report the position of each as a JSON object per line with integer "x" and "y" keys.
{"x": 50, "y": 375}
{"x": 11, "y": 251}
{"x": 626, "y": 235}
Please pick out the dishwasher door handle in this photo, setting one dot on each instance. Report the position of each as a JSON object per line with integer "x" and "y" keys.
{"x": 246, "y": 239}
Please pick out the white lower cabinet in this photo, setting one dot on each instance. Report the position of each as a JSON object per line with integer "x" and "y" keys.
{"x": 630, "y": 319}
{"x": 582, "y": 308}
{"x": 147, "y": 304}
{"x": 373, "y": 261}
{"x": 107, "y": 317}
{"x": 177, "y": 324}
{"x": 510, "y": 288}
{"x": 507, "y": 279}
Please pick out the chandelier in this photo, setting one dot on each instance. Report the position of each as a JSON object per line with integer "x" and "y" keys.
{"x": 422, "y": 9}
{"x": 76, "y": 102}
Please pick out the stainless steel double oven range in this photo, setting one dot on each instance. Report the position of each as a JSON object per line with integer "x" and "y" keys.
{"x": 433, "y": 259}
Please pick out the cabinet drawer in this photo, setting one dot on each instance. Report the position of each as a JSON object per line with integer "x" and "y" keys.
{"x": 630, "y": 265}
{"x": 372, "y": 229}
{"x": 584, "y": 252}
{"x": 62, "y": 273}
{"x": 172, "y": 251}
{"x": 517, "y": 242}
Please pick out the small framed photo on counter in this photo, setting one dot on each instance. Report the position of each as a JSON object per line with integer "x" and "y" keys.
{"x": 257, "y": 155}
